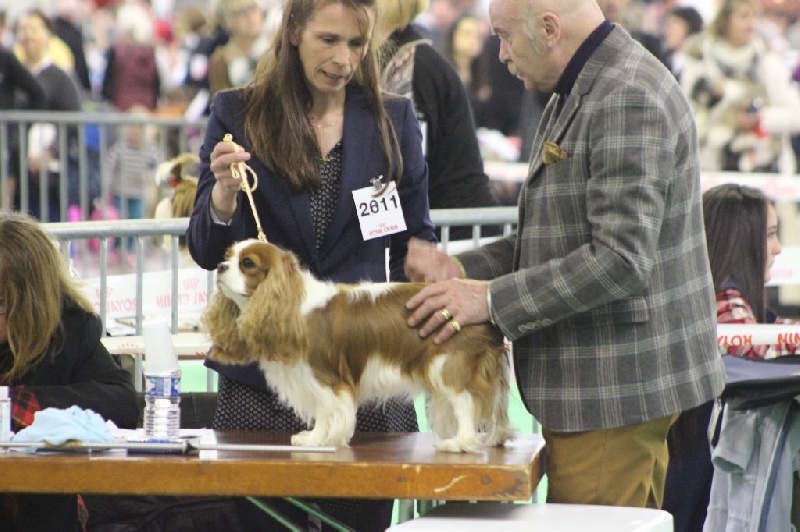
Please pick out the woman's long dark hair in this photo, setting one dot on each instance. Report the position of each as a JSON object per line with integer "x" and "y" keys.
{"x": 278, "y": 100}
{"x": 736, "y": 234}
{"x": 736, "y": 228}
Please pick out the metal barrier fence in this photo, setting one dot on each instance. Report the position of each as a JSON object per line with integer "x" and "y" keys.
{"x": 162, "y": 284}
{"x": 52, "y": 164}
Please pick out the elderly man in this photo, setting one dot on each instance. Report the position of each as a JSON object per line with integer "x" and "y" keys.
{"x": 605, "y": 288}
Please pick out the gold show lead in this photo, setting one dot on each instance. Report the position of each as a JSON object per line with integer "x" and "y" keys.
{"x": 239, "y": 171}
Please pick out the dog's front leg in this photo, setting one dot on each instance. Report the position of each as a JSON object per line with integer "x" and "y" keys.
{"x": 334, "y": 421}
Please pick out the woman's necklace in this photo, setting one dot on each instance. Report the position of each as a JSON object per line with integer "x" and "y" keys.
{"x": 319, "y": 124}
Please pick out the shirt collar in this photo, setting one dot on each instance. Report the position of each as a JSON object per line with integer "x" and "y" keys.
{"x": 582, "y": 55}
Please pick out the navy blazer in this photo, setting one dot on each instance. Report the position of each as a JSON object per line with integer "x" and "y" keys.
{"x": 285, "y": 214}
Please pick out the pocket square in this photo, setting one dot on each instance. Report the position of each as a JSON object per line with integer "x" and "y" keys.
{"x": 552, "y": 153}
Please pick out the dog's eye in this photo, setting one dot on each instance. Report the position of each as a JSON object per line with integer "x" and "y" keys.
{"x": 247, "y": 263}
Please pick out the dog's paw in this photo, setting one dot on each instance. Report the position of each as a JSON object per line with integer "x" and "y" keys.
{"x": 498, "y": 437}
{"x": 457, "y": 445}
{"x": 306, "y": 439}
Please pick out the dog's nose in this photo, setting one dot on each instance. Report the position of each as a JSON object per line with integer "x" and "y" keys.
{"x": 222, "y": 268}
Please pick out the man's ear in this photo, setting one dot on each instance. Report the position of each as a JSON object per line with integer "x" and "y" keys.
{"x": 552, "y": 29}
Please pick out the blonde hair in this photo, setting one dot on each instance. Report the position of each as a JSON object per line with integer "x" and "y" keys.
{"x": 36, "y": 285}
{"x": 228, "y": 8}
{"x": 722, "y": 20}
{"x": 401, "y": 13}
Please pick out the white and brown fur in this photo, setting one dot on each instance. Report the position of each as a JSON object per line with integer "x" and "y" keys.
{"x": 327, "y": 348}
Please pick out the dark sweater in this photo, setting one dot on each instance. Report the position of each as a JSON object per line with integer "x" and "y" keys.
{"x": 15, "y": 77}
{"x": 73, "y": 37}
{"x": 457, "y": 179}
{"x": 83, "y": 374}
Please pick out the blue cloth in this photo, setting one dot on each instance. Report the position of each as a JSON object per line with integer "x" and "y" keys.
{"x": 57, "y": 426}
{"x": 754, "y": 460}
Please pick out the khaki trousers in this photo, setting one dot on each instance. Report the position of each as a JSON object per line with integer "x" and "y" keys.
{"x": 624, "y": 466}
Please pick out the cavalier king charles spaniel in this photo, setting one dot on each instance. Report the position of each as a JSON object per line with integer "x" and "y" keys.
{"x": 326, "y": 348}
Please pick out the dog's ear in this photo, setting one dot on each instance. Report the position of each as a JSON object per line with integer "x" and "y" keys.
{"x": 272, "y": 321}
{"x": 183, "y": 198}
{"x": 219, "y": 319}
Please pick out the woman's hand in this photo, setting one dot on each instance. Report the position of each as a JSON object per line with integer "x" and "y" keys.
{"x": 223, "y": 195}
{"x": 425, "y": 262}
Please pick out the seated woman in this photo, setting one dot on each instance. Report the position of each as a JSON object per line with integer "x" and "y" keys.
{"x": 51, "y": 356}
{"x": 742, "y": 234}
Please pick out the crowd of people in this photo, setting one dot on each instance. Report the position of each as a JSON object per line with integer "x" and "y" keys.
{"x": 605, "y": 289}
{"x": 735, "y": 65}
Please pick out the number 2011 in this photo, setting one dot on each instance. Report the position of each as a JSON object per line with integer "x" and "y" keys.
{"x": 376, "y": 206}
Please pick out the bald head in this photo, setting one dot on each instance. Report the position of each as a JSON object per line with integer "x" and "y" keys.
{"x": 539, "y": 37}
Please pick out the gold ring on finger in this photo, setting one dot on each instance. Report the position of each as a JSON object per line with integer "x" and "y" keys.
{"x": 456, "y": 326}
{"x": 446, "y": 314}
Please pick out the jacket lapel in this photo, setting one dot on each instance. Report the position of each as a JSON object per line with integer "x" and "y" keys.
{"x": 301, "y": 209}
{"x": 556, "y": 123}
{"x": 359, "y": 140}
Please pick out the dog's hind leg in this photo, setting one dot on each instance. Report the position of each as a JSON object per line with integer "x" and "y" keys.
{"x": 334, "y": 422}
{"x": 441, "y": 417}
{"x": 466, "y": 438}
{"x": 499, "y": 429}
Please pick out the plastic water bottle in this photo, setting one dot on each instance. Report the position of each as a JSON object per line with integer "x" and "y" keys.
{"x": 5, "y": 415}
{"x": 162, "y": 408}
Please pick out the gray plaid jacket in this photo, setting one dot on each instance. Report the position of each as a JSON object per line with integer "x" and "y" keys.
{"x": 605, "y": 288}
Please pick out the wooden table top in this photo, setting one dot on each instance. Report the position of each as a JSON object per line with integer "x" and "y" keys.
{"x": 376, "y": 465}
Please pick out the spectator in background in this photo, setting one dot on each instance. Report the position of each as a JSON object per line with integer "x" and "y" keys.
{"x": 131, "y": 75}
{"x": 52, "y": 357}
{"x": 463, "y": 47}
{"x": 502, "y": 111}
{"x": 191, "y": 26}
{"x": 67, "y": 27}
{"x": 742, "y": 235}
{"x": 741, "y": 93}
{"x": 45, "y": 168}
{"x": 415, "y": 69}
{"x": 233, "y": 64}
{"x": 19, "y": 89}
{"x": 197, "y": 70}
{"x": 615, "y": 11}
{"x": 131, "y": 164}
{"x": 681, "y": 23}
{"x": 435, "y": 21}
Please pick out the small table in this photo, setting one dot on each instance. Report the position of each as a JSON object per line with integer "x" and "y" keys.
{"x": 376, "y": 465}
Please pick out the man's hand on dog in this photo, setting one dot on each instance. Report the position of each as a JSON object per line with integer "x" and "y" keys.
{"x": 447, "y": 306}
